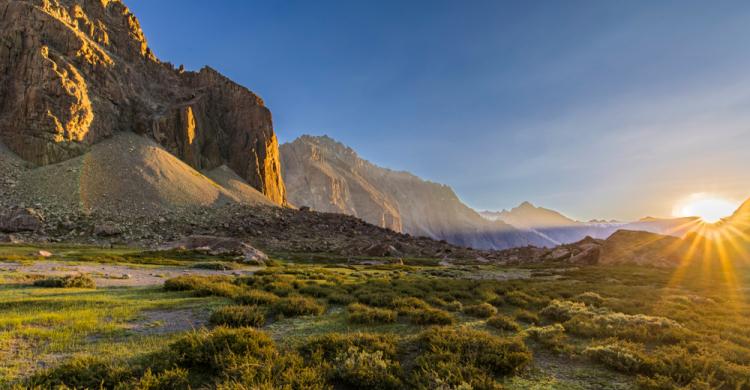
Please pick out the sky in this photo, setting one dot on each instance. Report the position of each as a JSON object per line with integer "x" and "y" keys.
{"x": 598, "y": 108}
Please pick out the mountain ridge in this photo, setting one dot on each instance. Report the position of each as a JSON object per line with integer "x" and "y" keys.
{"x": 329, "y": 176}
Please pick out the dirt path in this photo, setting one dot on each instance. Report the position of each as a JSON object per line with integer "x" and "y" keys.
{"x": 113, "y": 275}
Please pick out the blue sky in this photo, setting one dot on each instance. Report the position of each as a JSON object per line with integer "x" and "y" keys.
{"x": 600, "y": 109}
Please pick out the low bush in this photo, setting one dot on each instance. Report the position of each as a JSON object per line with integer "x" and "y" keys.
{"x": 483, "y": 310}
{"x": 192, "y": 282}
{"x": 298, "y": 306}
{"x": 256, "y": 297}
{"x": 361, "y": 314}
{"x": 83, "y": 372}
{"x": 362, "y": 369}
{"x": 503, "y": 322}
{"x": 562, "y": 311}
{"x": 552, "y": 337}
{"x": 70, "y": 281}
{"x": 238, "y": 316}
{"x": 619, "y": 355}
{"x": 332, "y": 345}
{"x": 430, "y": 317}
{"x": 176, "y": 378}
{"x": 590, "y": 298}
{"x": 526, "y": 316}
{"x": 636, "y": 327}
{"x": 457, "y": 357}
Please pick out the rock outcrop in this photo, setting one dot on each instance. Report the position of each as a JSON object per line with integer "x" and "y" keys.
{"x": 327, "y": 176}
{"x": 75, "y": 72}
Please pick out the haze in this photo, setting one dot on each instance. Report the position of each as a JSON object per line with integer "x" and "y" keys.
{"x": 596, "y": 109}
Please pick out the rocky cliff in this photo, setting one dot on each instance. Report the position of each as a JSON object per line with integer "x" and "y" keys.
{"x": 328, "y": 176}
{"x": 75, "y": 72}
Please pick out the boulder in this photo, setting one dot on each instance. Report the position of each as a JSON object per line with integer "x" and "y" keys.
{"x": 382, "y": 250}
{"x": 559, "y": 254}
{"x": 107, "y": 230}
{"x": 219, "y": 246}
{"x": 589, "y": 255}
{"x": 20, "y": 220}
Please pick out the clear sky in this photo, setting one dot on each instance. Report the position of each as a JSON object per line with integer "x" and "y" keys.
{"x": 599, "y": 108}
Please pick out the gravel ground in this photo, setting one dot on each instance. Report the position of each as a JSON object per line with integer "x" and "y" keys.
{"x": 113, "y": 275}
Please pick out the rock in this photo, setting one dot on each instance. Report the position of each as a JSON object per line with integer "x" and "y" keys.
{"x": 382, "y": 250}
{"x": 304, "y": 208}
{"x": 559, "y": 254}
{"x": 45, "y": 254}
{"x": 20, "y": 220}
{"x": 589, "y": 255}
{"x": 107, "y": 230}
{"x": 220, "y": 246}
{"x": 73, "y": 73}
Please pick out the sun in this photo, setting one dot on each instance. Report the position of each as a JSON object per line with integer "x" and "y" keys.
{"x": 709, "y": 208}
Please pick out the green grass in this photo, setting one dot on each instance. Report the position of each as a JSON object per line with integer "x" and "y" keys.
{"x": 415, "y": 325}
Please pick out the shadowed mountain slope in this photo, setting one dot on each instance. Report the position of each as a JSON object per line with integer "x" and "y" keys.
{"x": 328, "y": 176}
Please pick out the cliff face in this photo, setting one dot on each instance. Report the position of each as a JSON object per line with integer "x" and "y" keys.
{"x": 328, "y": 176}
{"x": 74, "y": 72}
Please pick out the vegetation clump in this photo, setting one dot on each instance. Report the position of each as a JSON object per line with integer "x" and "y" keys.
{"x": 238, "y": 316}
{"x": 461, "y": 357}
{"x": 503, "y": 322}
{"x": 483, "y": 310}
{"x": 362, "y": 314}
{"x": 298, "y": 306}
{"x": 69, "y": 281}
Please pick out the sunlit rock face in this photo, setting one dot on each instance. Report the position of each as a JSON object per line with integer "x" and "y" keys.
{"x": 327, "y": 176}
{"x": 74, "y": 72}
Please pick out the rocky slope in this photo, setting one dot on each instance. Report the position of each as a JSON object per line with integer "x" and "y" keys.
{"x": 73, "y": 73}
{"x": 327, "y": 176}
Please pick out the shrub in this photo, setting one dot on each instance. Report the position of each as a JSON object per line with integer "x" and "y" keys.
{"x": 220, "y": 289}
{"x": 363, "y": 369}
{"x": 332, "y": 345}
{"x": 635, "y": 327}
{"x": 526, "y": 316}
{"x": 256, "y": 297}
{"x": 468, "y": 347}
{"x": 215, "y": 351}
{"x": 564, "y": 310}
{"x": 298, "y": 306}
{"x": 361, "y": 314}
{"x": 176, "y": 378}
{"x": 340, "y": 298}
{"x": 520, "y": 299}
{"x": 404, "y": 305}
{"x": 70, "y": 281}
{"x": 552, "y": 337}
{"x": 430, "y": 317}
{"x": 81, "y": 372}
{"x": 192, "y": 282}
{"x": 483, "y": 310}
{"x": 503, "y": 322}
{"x": 590, "y": 298}
{"x": 238, "y": 316}
{"x": 618, "y": 355}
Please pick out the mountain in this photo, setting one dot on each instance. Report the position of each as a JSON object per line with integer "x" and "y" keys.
{"x": 76, "y": 73}
{"x": 551, "y": 224}
{"x": 563, "y": 230}
{"x": 327, "y": 176}
{"x": 528, "y": 216}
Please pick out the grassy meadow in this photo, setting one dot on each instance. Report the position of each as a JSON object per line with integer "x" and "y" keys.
{"x": 312, "y": 325}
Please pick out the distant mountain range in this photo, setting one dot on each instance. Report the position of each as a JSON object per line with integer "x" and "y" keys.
{"x": 562, "y": 230}
{"x": 327, "y": 176}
